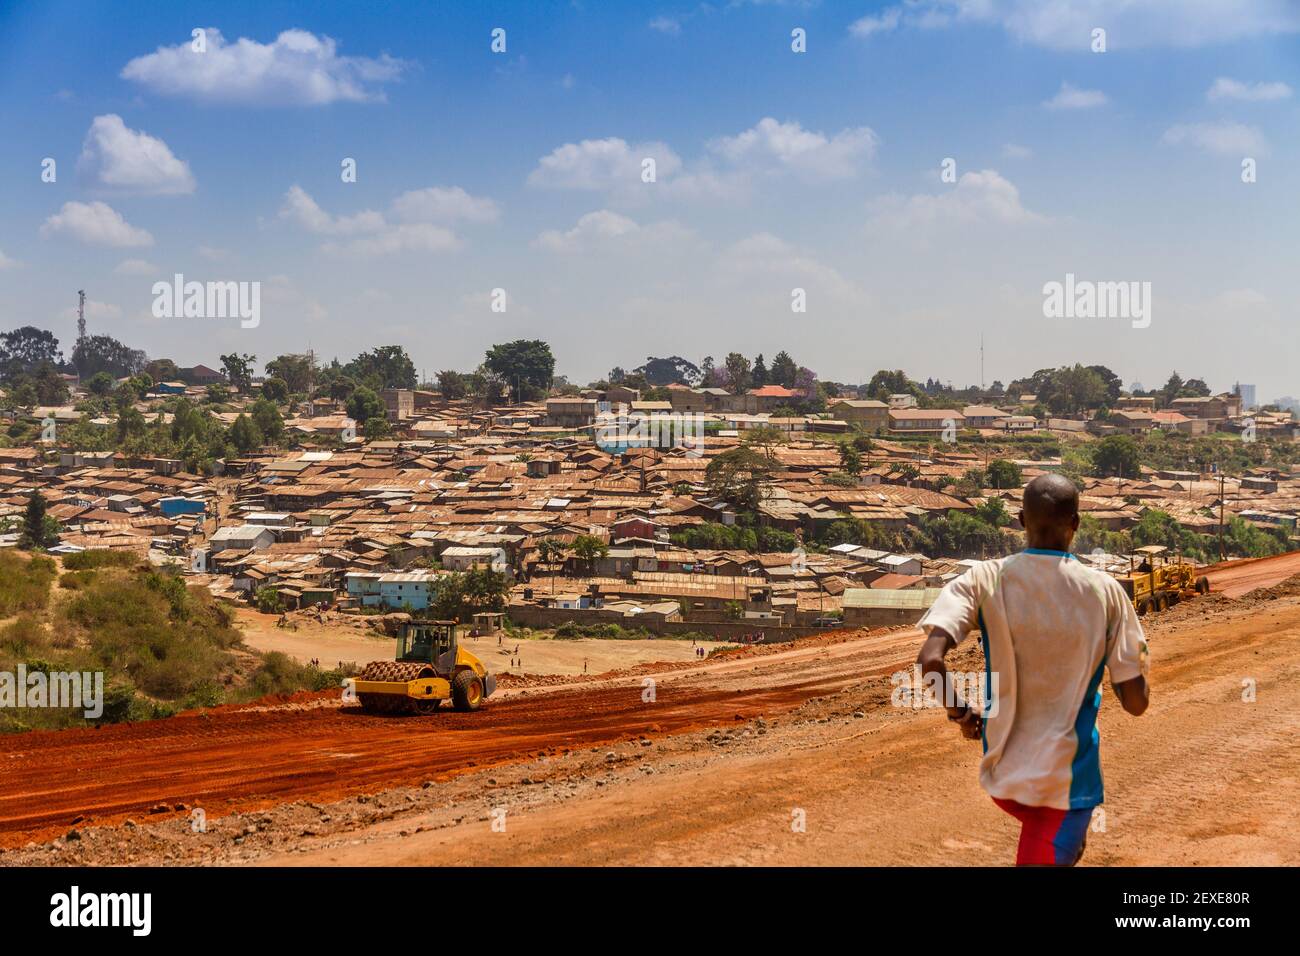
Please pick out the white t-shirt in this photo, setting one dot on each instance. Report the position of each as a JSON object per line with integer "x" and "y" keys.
{"x": 1049, "y": 626}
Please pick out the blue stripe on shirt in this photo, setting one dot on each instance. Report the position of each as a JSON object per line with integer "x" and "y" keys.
{"x": 1085, "y": 769}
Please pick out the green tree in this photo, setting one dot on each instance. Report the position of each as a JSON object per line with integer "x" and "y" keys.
{"x": 102, "y": 353}
{"x": 39, "y": 529}
{"x": 239, "y": 370}
{"x": 23, "y": 349}
{"x": 850, "y": 459}
{"x": 1003, "y": 474}
{"x": 525, "y": 365}
{"x": 364, "y": 405}
{"x": 738, "y": 373}
{"x": 452, "y": 385}
{"x": 783, "y": 371}
{"x": 740, "y": 476}
{"x": 244, "y": 434}
{"x": 765, "y": 437}
{"x": 296, "y": 371}
{"x": 275, "y": 389}
{"x": 101, "y": 384}
{"x": 588, "y": 548}
{"x": 1116, "y": 456}
{"x": 267, "y": 600}
{"x": 387, "y": 366}
{"x": 665, "y": 371}
{"x": 268, "y": 421}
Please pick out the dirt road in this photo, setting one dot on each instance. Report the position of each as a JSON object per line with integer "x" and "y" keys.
{"x": 345, "y": 639}
{"x": 1235, "y": 578}
{"x": 1206, "y": 777}
{"x": 715, "y": 768}
{"x": 240, "y": 758}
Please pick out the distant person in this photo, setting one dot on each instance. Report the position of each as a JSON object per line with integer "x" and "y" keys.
{"x": 1050, "y": 626}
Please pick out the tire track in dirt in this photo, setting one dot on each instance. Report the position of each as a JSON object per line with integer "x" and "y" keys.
{"x": 249, "y": 759}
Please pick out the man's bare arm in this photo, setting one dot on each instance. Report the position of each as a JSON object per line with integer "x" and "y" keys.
{"x": 933, "y": 651}
{"x": 1134, "y": 695}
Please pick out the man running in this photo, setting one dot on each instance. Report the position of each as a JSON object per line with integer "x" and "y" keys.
{"x": 1049, "y": 627}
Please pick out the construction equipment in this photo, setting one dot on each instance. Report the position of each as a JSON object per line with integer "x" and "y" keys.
{"x": 1157, "y": 580}
{"x": 430, "y": 667}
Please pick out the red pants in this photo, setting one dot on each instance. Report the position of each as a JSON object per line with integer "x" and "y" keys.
{"x": 1048, "y": 836}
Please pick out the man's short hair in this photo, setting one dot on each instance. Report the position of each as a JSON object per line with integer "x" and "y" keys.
{"x": 1051, "y": 499}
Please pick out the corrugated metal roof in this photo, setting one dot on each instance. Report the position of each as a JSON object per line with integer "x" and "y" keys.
{"x": 917, "y": 599}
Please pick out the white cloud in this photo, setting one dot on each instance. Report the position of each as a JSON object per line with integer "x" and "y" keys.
{"x": 669, "y": 25}
{"x": 136, "y": 267}
{"x": 1226, "y": 88}
{"x": 790, "y": 146}
{"x": 602, "y": 164}
{"x": 728, "y": 168}
{"x": 605, "y": 230}
{"x": 758, "y": 265}
{"x": 1068, "y": 24}
{"x": 438, "y": 204}
{"x": 423, "y": 213}
{"x": 96, "y": 223}
{"x": 884, "y": 22}
{"x": 1227, "y": 138}
{"x": 409, "y": 237}
{"x": 131, "y": 160}
{"x": 296, "y": 68}
{"x": 6, "y": 262}
{"x": 602, "y": 225}
{"x": 978, "y": 197}
{"x": 1016, "y": 151}
{"x": 1070, "y": 97}
{"x": 301, "y": 208}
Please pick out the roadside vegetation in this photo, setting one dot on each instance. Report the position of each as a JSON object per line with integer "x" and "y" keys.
{"x": 162, "y": 646}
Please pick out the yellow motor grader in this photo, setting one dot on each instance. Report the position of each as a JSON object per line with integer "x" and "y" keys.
{"x": 1157, "y": 580}
{"x": 430, "y": 667}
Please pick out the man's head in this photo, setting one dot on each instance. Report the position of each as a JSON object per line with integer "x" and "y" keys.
{"x": 1050, "y": 515}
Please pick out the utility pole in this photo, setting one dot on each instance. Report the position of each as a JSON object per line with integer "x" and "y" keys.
{"x": 1221, "y": 503}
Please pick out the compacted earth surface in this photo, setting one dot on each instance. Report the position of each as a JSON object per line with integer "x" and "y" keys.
{"x": 790, "y": 754}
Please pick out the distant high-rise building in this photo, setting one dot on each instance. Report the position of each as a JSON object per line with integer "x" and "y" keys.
{"x": 1247, "y": 393}
{"x": 1290, "y": 403}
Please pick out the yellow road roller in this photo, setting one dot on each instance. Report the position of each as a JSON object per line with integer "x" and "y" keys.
{"x": 430, "y": 667}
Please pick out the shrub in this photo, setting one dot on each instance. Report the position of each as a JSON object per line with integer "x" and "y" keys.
{"x": 267, "y": 600}
{"x": 24, "y": 584}
{"x": 280, "y": 674}
{"x": 99, "y": 558}
{"x": 22, "y": 637}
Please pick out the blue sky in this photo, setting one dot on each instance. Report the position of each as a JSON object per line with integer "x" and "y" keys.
{"x": 776, "y": 170}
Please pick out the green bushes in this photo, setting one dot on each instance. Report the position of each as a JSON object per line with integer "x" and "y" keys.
{"x": 99, "y": 558}
{"x": 24, "y": 583}
{"x": 608, "y": 631}
{"x": 281, "y": 674}
{"x": 21, "y": 639}
{"x": 743, "y": 536}
{"x": 150, "y": 628}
